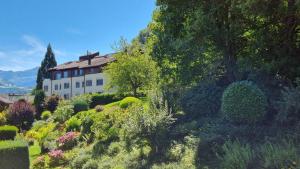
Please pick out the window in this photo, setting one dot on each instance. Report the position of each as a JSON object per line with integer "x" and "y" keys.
{"x": 59, "y": 86}
{"x": 75, "y": 73}
{"x": 66, "y": 96}
{"x": 81, "y": 72}
{"x": 66, "y": 74}
{"x": 99, "y": 82}
{"x": 77, "y": 85}
{"x": 89, "y": 83}
{"x": 66, "y": 85}
{"x": 56, "y": 87}
{"x": 46, "y": 88}
{"x": 58, "y": 75}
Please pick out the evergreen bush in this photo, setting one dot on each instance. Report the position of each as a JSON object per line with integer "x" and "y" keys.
{"x": 243, "y": 102}
{"x": 80, "y": 105}
{"x": 14, "y": 155}
{"x": 102, "y": 99}
{"x": 128, "y": 101}
{"x": 8, "y": 132}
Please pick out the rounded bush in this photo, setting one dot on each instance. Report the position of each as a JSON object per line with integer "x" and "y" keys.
{"x": 46, "y": 115}
{"x": 80, "y": 105}
{"x": 243, "y": 102}
{"x": 52, "y": 102}
{"x": 91, "y": 164}
{"x": 73, "y": 124}
{"x": 99, "y": 108}
{"x": 128, "y": 101}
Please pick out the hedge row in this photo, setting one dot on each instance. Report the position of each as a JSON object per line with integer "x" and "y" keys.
{"x": 14, "y": 155}
{"x": 102, "y": 99}
{"x": 8, "y": 132}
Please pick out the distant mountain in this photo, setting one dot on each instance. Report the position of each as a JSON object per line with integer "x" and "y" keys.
{"x": 17, "y": 81}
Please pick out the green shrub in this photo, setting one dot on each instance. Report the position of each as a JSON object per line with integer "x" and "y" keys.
{"x": 280, "y": 155}
{"x": 99, "y": 148}
{"x": 73, "y": 124}
{"x": 39, "y": 100}
{"x": 114, "y": 148}
{"x": 236, "y": 155}
{"x": 99, "y": 108}
{"x": 289, "y": 107}
{"x": 202, "y": 100}
{"x": 91, "y": 164}
{"x": 79, "y": 161}
{"x": 2, "y": 118}
{"x": 8, "y": 132}
{"x": 102, "y": 99}
{"x": 46, "y": 115}
{"x": 64, "y": 111}
{"x": 14, "y": 155}
{"x": 128, "y": 101}
{"x": 244, "y": 102}
{"x": 51, "y": 103}
{"x": 80, "y": 105}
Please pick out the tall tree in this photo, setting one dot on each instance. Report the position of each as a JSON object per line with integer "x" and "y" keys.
{"x": 48, "y": 62}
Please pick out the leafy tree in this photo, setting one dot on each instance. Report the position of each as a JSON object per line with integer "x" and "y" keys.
{"x": 133, "y": 71}
{"x": 48, "y": 62}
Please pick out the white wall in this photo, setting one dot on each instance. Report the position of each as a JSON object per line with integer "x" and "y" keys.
{"x": 75, "y": 91}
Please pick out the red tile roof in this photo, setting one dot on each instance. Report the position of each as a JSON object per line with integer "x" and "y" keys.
{"x": 95, "y": 61}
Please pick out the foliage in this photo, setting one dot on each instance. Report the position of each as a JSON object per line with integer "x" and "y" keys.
{"x": 236, "y": 155}
{"x": 64, "y": 111}
{"x": 73, "y": 124}
{"x": 99, "y": 108}
{"x": 91, "y": 164}
{"x": 39, "y": 163}
{"x": 46, "y": 115}
{"x": 101, "y": 99}
{"x": 68, "y": 140}
{"x": 52, "y": 102}
{"x": 21, "y": 114}
{"x": 56, "y": 157}
{"x": 39, "y": 102}
{"x": 132, "y": 72}
{"x": 277, "y": 156}
{"x": 288, "y": 106}
{"x": 152, "y": 125}
{"x": 80, "y": 105}
{"x": 202, "y": 100}
{"x": 8, "y": 132}
{"x": 79, "y": 161}
{"x": 2, "y": 118}
{"x": 129, "y": 101}
{"x": 14, "y": 154}
{"x": 244, "y": 102}
{"x": 48, "y": 62}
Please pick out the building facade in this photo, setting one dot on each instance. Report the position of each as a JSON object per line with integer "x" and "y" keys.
{"x": 78, "y": 77}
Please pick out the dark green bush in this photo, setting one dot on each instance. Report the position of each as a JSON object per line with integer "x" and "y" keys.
{"x": 80, "y": 105}
{"x": 289, "y": 106}
{"x": 14, "y": 155}
{"x": 8, "y": 132}
{"x": 243, "y": 102}
{"x": 102, "y": 99}
{"x": 128, "y": 101}
{"x": 39, "y": 100}
{"x": 202, "y": 100}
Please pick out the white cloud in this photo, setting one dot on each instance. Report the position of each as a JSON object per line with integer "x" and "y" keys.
{"x": 26, "y": 58}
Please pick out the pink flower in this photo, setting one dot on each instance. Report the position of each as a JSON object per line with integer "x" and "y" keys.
{"x": 56, "y": 154}
{"x": 70, "y": 136}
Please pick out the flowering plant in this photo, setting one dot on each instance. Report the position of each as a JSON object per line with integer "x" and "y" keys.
{"x": 68, "y": 140}
{"x": 56, "y": 157}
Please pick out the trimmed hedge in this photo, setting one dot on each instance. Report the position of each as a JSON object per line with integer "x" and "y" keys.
{"x": 14, "y": 155}
{"x": 128, "y": 101}
{"x": 80, "y": 105}
{"x": 8, "y": 132}
{"x": 102, "y": 99}
{"x": 244, "y": 102}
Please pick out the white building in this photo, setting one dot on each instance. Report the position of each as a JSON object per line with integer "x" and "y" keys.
{"x": 78, "y": 77}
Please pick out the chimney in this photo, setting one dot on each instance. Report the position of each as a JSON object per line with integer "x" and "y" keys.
{"x": 89, "y": 57}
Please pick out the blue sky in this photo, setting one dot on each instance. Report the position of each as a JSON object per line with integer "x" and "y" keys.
{"x": 71, "y": 26}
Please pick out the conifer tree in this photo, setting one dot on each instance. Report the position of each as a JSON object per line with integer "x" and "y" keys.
{"x": 48, "y": 62}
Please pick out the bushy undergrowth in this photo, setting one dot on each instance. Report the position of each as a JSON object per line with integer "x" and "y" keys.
{"x": 2, "y": 118}
{"x": 64, "y": 111}
{"x": 46, "y": 115}
{"x": 244, "y": 102}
